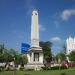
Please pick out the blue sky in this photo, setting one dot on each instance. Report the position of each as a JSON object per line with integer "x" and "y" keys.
{"x": 56, "y": 20}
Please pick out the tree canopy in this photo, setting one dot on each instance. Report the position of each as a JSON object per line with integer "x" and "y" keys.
{"x": 8, "y": 55}
{"x": 72, "y": 56}
{"x": 46, "y": 46}
{"x": 60, "y": 56}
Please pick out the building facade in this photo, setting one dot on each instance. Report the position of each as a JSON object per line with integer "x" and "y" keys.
{"x": 70, "y": 44}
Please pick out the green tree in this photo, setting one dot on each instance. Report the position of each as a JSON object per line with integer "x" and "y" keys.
{"x": 64, "y": 49}
{"x": 72, "y": 56}
{"x": 8, "y": 55}
{"x": 18, "y": 59}
{"x": 60, "y": 56}
{"x": 5, "y": 54}
{"x": 1, "y": 48}
{"x": 24, "y": 59}
{"x": 46, "y": 46}
{"x": 21, "y": 59}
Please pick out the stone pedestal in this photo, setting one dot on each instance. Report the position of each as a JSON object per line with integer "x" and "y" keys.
{"x": 35, "y": 58}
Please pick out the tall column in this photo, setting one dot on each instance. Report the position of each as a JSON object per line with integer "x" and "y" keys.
{"x": 34, "y": 29}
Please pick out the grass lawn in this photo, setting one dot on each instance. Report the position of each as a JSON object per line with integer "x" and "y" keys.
{"x": 49, "y": 72}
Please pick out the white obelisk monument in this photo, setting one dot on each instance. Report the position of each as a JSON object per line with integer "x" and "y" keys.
{"x": 34, "y": 29}
{"x": 35, "y": 55}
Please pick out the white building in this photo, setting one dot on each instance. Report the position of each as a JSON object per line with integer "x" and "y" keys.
{"x": 70, "y": 44}
{"x": 35, "y": 54}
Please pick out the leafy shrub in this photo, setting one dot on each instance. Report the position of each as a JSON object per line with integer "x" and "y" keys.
{"x": 63, "y": 73}
{"x": 57, "y": 67}
{"x": 1, "y": 68}
{"x": 63, "y": 67}
{"x": 54, "y": 68}
{"x": 45, "y": 68}
{"x": 29, "y": 69}
{"x": 21, "y": 68}
{"x": 26, "y": 74}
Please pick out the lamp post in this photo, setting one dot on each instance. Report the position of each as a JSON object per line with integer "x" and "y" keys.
{"x": 59, "y": 61}
{"x": 14, "y": 73}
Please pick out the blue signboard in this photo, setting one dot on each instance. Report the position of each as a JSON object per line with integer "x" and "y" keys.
{"x": 24, "y": 48}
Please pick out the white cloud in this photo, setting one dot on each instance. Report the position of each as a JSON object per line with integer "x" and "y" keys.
{"x": 66, "y": 14}
{"x": 41, "y": 27}
{"x": 55, "y": 39}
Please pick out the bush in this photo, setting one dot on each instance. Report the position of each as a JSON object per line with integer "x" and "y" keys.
{"x": 45, "y": 68}
{"x": 1, "y": 68}
{"x": 63, "y": 67}
{"x": 58, "y": 67}
{"x": 29, "y": 69}
{"x": 21, "y": 68}
{"x": 63, "y": 73}
{"x": 26, "y": 74}
{"x": 54, "y": 68}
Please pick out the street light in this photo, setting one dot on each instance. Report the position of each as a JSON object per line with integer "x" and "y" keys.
{"x": 14, "y": 73}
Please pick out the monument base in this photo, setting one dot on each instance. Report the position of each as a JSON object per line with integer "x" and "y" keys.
{"x": 35, "y": 58}
{"x": 37, "y": 66}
